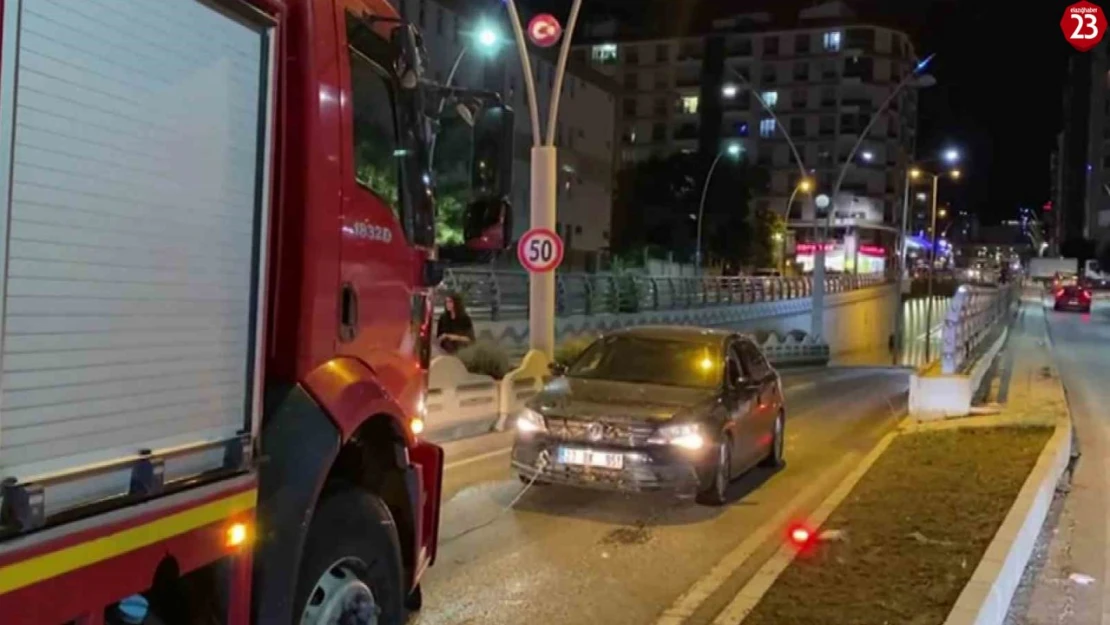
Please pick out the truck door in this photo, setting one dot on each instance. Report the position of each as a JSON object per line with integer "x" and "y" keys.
{"x": 378, "y": 265}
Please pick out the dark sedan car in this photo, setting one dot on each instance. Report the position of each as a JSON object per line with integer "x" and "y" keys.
{"x": 655, "y": 408}
{"x": 1072, "y": 297}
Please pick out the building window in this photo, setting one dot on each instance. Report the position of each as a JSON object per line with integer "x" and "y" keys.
{"x": 770, "y": 98}
{"x": 632, "y": 55}
{"x": 439, "y": 22}
{"x": 767, "y": 127}
{"x": 832, "y": 41}
{"x": 658, "y": 132}
{"x": 631, "y": 82}
{"x": 689, "y": 104}
{"x": 797, "y": 127}
{"x": 660, "y": 106}
{"x": 799, "y": 98}
{"x": 661, "y": 55}
{"x": 801, "y": 71}
{"x": 741, "y": 129}
{"x": 770, "y": 77}
{"x": 605, "y": 53}
{"x": 801, "y": 44}
{"x": 771, "y": 45}
{"x": 630, "y": 107}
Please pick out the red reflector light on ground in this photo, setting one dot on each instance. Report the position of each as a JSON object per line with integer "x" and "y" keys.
{"x": 799, "y": 535}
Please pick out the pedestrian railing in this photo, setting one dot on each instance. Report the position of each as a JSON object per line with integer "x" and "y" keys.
{"x": 974, "y": 313}
{"x": 495, "y": 295}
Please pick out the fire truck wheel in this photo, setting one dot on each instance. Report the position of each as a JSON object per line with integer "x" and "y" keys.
{"x": 351, "y": 571}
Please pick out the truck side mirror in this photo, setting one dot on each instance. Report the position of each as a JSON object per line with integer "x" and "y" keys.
{"x": 488, "y": 223}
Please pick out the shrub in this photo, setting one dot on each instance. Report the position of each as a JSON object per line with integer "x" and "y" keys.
{"x": 569, "y": 350}
{"x": 485, "y": 358}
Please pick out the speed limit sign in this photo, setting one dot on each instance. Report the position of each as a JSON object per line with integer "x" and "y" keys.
{"x": 540, "y": 250}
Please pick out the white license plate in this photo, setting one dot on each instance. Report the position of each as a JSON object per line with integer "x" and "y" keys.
{"x": 1074, "y": 301}
{"x": 589, "y": 458}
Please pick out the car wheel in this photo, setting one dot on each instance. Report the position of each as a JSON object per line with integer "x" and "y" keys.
{"x": 775, "y": 457}
{"x": 715, "y": 493}
{"x": 351, "y": 571}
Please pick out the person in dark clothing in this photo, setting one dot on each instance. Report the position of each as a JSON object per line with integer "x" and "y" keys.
{"x": 455, "y": 329}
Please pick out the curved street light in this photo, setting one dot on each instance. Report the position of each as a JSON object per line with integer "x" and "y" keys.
{"x": 916, "y": 78}
{"x": 733, "y": 150}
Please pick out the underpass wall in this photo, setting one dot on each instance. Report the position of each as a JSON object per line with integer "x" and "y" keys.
{"x": 854, "y": 321}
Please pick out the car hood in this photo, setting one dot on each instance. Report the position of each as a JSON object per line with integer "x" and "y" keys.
{"x": 584, "y": 399}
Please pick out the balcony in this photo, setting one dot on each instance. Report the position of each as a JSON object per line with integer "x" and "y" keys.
{"x": 688, "y": 81}
{"x": 688, "y": 131}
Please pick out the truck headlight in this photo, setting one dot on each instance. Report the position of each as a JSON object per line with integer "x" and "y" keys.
{"x": 685, "y": 435}
{"x": 529, "y": 421}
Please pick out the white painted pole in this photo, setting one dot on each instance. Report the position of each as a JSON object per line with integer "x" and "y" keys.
{"x": 526, "y": 69}
{"x": 541, "y": 291}
{"x": 701, "y": 210}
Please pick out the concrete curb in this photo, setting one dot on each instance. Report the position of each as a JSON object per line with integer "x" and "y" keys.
{"x": 986, "y": 598}
{"x": 765, "y": 577}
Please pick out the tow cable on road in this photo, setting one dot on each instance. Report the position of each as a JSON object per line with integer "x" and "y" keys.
{"x": 541, "y": 464}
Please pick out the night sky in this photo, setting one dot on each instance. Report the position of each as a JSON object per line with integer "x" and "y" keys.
{"x": 1000, "y": 70}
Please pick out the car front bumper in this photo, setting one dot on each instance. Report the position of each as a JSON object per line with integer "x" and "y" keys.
{"x": 650, "y": 468}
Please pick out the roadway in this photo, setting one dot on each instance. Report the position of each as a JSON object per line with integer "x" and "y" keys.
{"x": 1076, "y": 540}
{"x": 562, "y": 555}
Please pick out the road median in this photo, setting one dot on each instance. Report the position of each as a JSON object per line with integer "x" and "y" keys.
{"x": 937, "y": 527}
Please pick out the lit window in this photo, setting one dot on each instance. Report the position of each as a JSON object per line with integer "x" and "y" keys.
{"x": 690, "y": 104}
{"x": 770, "y": 98}
{"x": 832, "y": 41}
{"x": 767, "y": 127}
{"x": 604, "y": 53}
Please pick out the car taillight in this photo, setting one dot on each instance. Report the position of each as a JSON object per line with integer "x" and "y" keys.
{"x": 1085, "y": 294}
{"x": 1059, "y": 292}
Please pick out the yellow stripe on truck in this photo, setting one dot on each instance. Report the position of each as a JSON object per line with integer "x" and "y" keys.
{"x": 48, "y": 565}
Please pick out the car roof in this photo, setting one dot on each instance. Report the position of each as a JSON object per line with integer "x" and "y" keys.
{"x": 693, "y": 334}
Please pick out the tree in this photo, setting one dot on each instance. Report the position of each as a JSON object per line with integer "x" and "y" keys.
{"x": 657, "y": 206}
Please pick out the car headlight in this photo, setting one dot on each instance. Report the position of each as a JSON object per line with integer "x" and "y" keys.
{"x": 529, "y": 421}
{"x": 685, "y": 435}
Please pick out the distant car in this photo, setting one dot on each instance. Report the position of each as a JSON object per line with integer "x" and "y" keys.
{"x": 1072, "y": 297}
{"x": 675, "y": 409}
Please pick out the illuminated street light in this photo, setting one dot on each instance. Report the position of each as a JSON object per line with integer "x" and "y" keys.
{"x": 921, "y": 197}
{"x": 488, "y": 37}
{"x": 942, "y": 213}
{"x": 733, "y": 149}
{"x": 867, "y": 155}
{"x": 955, "y": 173}
{"x": 915, "y": 173}
{"x": 806, "y": 185}
{"x": 951, "y": 155}
{"x": 729, "y": 91}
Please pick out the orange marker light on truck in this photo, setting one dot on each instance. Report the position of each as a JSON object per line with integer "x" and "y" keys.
{"x": 237, "y": 535}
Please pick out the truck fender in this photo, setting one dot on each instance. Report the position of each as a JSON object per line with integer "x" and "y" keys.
{"x": 299, "y": 445}
{"x": 349, "y": 392}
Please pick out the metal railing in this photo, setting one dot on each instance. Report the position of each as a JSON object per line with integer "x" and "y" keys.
{"x": 974, "y": 312}
{"x": 496, "y": 295}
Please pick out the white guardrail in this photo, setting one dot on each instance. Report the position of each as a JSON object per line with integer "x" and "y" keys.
{"x": 461, "y": 403}
{"x": 974, "y": 312}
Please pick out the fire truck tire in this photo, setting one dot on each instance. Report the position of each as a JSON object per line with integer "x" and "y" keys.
{"x": 351, "y": 570}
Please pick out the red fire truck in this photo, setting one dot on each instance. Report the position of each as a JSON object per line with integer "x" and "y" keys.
{"x": 218, "y": 250}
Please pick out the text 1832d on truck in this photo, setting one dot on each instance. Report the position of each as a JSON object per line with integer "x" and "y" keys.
{"x": 218, "y": 256}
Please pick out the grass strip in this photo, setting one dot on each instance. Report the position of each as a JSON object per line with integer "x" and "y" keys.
{"x": 912, "y": 531}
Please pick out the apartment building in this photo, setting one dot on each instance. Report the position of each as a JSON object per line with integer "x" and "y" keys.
{"x": 585, "y": 132}
{"x": 824, "y": 74}
{"x": 1081, "y": 166}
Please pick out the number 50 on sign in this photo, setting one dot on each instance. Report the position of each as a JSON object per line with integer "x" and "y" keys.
{"x": 1083, "y": 24}
{"x": 540, "y": 250}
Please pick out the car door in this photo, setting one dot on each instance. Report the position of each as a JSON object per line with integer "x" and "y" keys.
{"x": 766, "y": 400}
{"x": 741, "y": 405}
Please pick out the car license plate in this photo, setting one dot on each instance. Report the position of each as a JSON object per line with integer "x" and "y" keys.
{"x": 1073, "y": 301}
{"x": 590, "y": 458}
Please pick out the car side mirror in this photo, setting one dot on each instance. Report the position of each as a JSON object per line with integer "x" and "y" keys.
{"x": 557, "y": 369}
{"x": 488, "y": 219}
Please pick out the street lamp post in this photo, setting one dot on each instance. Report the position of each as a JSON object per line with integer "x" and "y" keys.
{"x": 733, "y": 150}
{"x": 544, "y": 177}
{"x": 955, "y": 174}
{"x": 817, "y": 321}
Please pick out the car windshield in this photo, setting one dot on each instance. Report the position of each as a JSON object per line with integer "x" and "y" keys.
{"x": 644, "y": 360}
